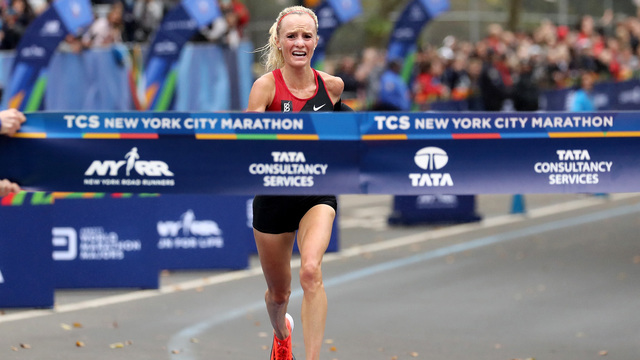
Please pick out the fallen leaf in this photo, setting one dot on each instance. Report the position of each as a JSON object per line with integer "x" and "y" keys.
{"x": 66, "y": 326}
{"x": 25, "y": 346}
{"x": 394, "y": 358}
{"x": 77, "y": 325}
{"x": 333, "y": 349}
{"x": 257, "y": 323}
{"x": 194, "y": 340}
{"x": 265, "y": 347}
{"x": 128, "y": 342}
{"x": 603, "y": 353}
{"x": 414, "y": 354}
{"x": 79, "y": 344}
{"x": 14, "y": 348}
{"x": 328, "y": 341}
{"x": 497, "y": 346}
{"x": 175, "y": 352}
{"x": 117, "y": 345}
{"x": 263, "y": 334}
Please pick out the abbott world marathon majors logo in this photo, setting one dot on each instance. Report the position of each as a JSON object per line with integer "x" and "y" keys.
{"x": 288, "y": 169}
{"x": 189, "y": 233}
{"x": 573, "y": 166}
{"x": 431, "y": 159}
{"x": 129, "y": 172}
{"x": 91, "y": 243}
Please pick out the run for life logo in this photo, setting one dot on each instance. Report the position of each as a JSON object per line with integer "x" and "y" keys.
{"x": 431, "y": 159}
{"x": 132, "y": 171}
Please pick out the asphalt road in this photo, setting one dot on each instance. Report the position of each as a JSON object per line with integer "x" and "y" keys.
{"x": 562, "y": 282}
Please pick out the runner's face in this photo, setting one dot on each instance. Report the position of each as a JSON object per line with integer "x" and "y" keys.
{"x": 298, "y": 39}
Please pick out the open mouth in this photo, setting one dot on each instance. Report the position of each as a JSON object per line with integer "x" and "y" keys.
{"x": 299, "y": 53}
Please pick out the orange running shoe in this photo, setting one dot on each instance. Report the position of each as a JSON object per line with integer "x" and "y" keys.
{"x": 281, "y": 349}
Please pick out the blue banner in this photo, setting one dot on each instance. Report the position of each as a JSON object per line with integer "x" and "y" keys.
{"x": 177, "y": 27}
{"x": 104, "y": 243}
{"x": 331, "y": 15}
{"x": 326, "y": 153}
{"x": 26, "y": 278}
{"x": 202, "y": 232}
{"x": 36, "y": 47}
{"x": 100, "y": 81}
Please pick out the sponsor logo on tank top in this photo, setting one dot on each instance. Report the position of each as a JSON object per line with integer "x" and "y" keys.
{"x": 286, "y": 105}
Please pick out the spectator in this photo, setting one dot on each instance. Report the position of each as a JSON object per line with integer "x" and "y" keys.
{"x": 15, "y": 20}
{"x": 394, "y": 93}
{"x": 583, "y": 98}
{"x": 493, "y": 90}
{"x": 525, "y": 90}
{"x": 10, "y": 122}
{"x": 147, "y": 18}
{"x": 347, "y": 72}
{"x": 428, "y": 86}
{"x": 228, "y": 30}
{"x": 107, "y": 30}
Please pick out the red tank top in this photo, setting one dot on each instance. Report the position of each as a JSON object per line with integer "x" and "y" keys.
{"x": 285, "y": 101}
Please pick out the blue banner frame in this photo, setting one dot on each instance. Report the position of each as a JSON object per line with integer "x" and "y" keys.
{"x": 326, "y": 153}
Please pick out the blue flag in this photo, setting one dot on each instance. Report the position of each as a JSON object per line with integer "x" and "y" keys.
{"x": 36, "y": 47}
{"x": 177, "y": 27}
{"x": 331, "y": 15}
{"x": 402, "y": 44}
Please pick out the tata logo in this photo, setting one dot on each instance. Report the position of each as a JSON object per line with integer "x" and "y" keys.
{"x": 131, "y": 163}
{"x": 187, "y": 226}
{"x": 431, "y": 159}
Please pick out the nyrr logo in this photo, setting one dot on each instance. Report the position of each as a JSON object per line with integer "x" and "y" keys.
{"x": 189, "y": 226}
{"x": 431, "y": 158}
{"x": 133, "y": 162}
{"x": 189, "y": 233}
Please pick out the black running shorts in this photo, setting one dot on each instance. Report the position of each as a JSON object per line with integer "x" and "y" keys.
{"x": 281, "y": 214}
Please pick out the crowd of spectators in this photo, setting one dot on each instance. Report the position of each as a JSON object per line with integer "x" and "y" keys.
{"x": 508, "y": 65}
{"x": 121, "y": 21}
